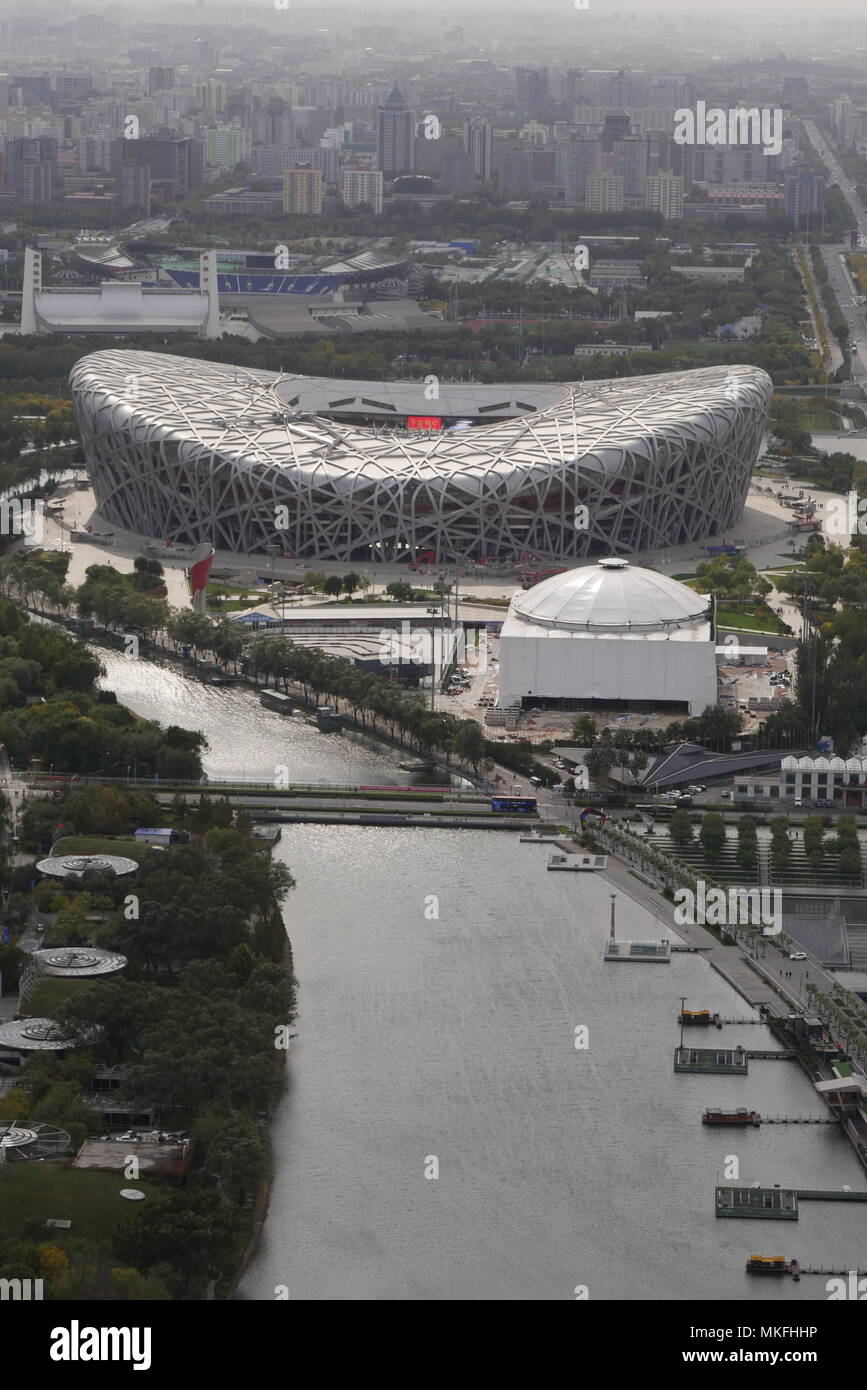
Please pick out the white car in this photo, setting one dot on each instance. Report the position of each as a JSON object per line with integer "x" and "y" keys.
{"x": 798, "y": 955}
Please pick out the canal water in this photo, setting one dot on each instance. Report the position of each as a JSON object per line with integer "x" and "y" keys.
{"x": 442, "y": 975}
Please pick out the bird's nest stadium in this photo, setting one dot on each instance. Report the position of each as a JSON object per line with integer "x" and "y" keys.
{"x": 198, "y": 452}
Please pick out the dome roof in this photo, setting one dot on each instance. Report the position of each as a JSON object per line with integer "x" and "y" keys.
{"x": 609, "y": 596}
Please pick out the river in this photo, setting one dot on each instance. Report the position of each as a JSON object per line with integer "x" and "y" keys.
{"x": 441, "y": 977}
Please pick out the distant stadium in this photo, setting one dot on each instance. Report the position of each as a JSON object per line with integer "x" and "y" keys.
{"x": 240, "y": 459}
{"x": 239, "y": 272}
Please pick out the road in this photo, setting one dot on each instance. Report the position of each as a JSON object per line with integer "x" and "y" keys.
{"x": 833, "y": 255}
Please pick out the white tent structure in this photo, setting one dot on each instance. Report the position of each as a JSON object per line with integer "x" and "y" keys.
{"x": 610, "y": 632}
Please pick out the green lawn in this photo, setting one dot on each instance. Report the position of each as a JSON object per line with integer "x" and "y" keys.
{"x": 50, "y": 993}
{"x": 99, "y": 844}
{"x": 51, "y": 1190}
{"x": 732, "y": 617}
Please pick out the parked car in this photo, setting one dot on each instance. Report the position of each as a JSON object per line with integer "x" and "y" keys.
{"x": 797, "y": 955}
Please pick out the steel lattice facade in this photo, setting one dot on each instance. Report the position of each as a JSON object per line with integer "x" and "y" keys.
{"x": 193, "y": 452}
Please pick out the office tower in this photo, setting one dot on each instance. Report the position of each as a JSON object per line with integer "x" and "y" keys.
{"x": 805, "y": 195}
{"x": 94, "y": 153}
{"x": 514, "y": 171}
{"x": 361, "y": 185}
{"x": 531, "y": 89}
{"x": 4, "y": 93}
{"x": 569, "y": 86}
{"x": 30, "y": 167}
{"x": 227, "y": 146}
{"x": 395, "y": 135}
{"x": 302, "y": 190}
{"x": 580, "y": 159}
{"x": 133, "y": 186}
{"x": 629, "y": 158}
{"x": 275, "y": 126}
{"x": 479, "y": 142}
{"x": 457, "y": 172}
{"x": 212, "y": 96}
{"x": 177, "y": 162}
{"x": 605, "y": 193}
{"x": 664, "y": 194}
{"x": 617, "y": 126}
{"x": 160, "y": 80}
{"x": 735, "y": 164}
{"x": 271, "y": 160}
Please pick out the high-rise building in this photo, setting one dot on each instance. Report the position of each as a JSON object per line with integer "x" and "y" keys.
{"x": 664, "y": 194}
{"x": 30, "y": 167}
{"x": 531, "y": 89}
{"x": 580, "y": 159}
{"x": 176, "y": 162}
{"x": 605, "y": 192}
{"x": 618, "y": 126}
{"x": 362, "y": 186}
{"x": 133, "y": 186}
{"x": 160, "y": 80}
{"x": 805, "y": 195}
{"x": 271, "y": 160}
{"x": 212, "y": 96}
{"x": 458, "y": 172}
{"x": 629, "y": 158}
{"x": 302, "y": 190}
{"x": 479, "y": 142}
{"x": 227, "y": 146}
{"x": 514, "y": 171}
{"x": 395, "y": 135}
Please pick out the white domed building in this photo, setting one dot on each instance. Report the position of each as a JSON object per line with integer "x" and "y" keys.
{"x": 610, "y": 634}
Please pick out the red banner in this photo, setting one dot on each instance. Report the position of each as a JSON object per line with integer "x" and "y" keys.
{"x": 424, "y": 422}
{"x": 199, "y": 574}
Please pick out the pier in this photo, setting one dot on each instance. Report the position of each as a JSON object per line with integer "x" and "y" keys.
{"x": 641, "y": 951}
{"x": 578, "y": 863}
{"x": 776, "y": 1203}
{"x": 757, "y": 1203}
{"x": 711, "y": 1061}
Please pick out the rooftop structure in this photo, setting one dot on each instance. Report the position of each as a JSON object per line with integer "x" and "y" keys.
{"x": 74, "y": 865}
{"x": 210, "y": 453}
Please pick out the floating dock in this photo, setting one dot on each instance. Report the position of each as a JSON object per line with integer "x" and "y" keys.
{"x": 270, "y": 834}
{"x": 276, "y": 700}
{"x": 578, "y": 863}
{"x": 731, "y": 1117}
{"x": 777, "y": 1203}
{"x": 758, "y": 1203}
{"x": 644, "y": 951}
{"x": 711, "y": 1061}
{"x": 772, "y": 1264}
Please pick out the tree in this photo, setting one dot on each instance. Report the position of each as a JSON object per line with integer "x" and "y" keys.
{"x": 712, "y": 834}
{"x": 193, "y": 1232}
{"x": 680, "y": 829}
{"x": 584, "y": 731}
{"x": 333, "y": 586}
{"x": 748, "y": 848}
{"x": 351, "y": 582}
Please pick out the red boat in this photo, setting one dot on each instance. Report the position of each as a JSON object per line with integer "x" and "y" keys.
{"x": 731, "y": 1117}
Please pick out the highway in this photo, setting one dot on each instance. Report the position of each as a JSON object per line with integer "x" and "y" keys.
{"x": 838, "y": 273}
